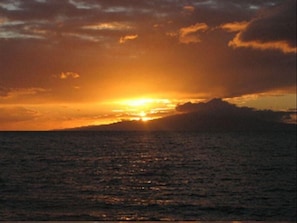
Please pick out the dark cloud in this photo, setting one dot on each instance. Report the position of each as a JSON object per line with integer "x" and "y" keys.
{"x": 276, "y": 24}
{"x": 220, "y": 108}
{"x": 272, "y": 28}
{"x": 172, "y": 49}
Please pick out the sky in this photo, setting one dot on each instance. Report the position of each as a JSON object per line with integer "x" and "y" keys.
{"x": 68, "y": 63}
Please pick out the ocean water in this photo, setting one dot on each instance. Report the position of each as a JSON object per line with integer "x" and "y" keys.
{"x": 117, "y": 176}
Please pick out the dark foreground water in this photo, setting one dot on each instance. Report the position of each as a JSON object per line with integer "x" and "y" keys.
{"x": 147, "y": 176}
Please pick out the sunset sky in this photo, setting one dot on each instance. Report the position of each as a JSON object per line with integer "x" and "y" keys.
{"x": 68, "y": 63}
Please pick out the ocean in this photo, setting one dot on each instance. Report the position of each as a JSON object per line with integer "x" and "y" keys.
{"x": 149, "y": 176}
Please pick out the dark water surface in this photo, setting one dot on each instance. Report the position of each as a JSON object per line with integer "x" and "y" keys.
{"x": 147, "y": 176}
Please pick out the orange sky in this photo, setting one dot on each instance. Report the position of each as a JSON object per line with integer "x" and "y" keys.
{"x": 67, "y": 63}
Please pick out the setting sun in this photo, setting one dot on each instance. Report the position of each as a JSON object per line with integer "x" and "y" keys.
{"x": 143, "y": 109}
{"x": 96, "y": 62}
{"x": 148, "y": 110}
{"x": 143, "y": 116}
{"x": 139, "y": 103}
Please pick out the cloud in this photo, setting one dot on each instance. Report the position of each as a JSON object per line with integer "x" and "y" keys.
{"x": 189, "y": 34}
{"x": 128, "y": 37}
{"x": 22, "y": 95}
{"x": 23, "y": 91}
{"x": 16, "y": 114}
{"x": 83, "y": 36}
{"x": 219, "y": 108}
{"x": 66, "y": 75}
{"x": 235, "y": 26}
{"x": 108, "y": 26}
{"x": 194, "y": 107}
{"x": 189, "y": 8}
{"x": 273, "y": 29}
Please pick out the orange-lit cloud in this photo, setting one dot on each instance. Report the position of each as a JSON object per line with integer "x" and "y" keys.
{"x": 279, "y": 45}
{"x": 128, "y": 37}
{"x": 241, "y": 27}
{"x": 235, "y": 26}
{"x": 12, "y": 95}
{"x": 81, "y": 57}
{"x": 189, "y": 8}
{"x": 16, "y": 114}
{"x": 189, "y": 34}
{"x": 108, "y": 26}
{"x": 273, "y": 30}
{"x": 66, "y": 75}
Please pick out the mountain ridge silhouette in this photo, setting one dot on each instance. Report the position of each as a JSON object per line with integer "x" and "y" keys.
{"x": 214, "y": 115}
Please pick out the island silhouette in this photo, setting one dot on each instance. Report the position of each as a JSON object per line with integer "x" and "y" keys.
{"x": 214, "y": 115}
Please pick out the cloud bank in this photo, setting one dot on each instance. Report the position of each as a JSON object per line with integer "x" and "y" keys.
{"x": 273, "y": 29}
{"x": 86, "y": 51}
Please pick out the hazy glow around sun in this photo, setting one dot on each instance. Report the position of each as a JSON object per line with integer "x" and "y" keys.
{"x": 143, "y": 109}
{"x": 144, "y": 102}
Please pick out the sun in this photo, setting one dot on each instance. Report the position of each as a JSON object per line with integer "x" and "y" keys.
{"x": 143, "y": 109}
{"x": 139, "y": 102}
{"x": 143, "y": 117}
